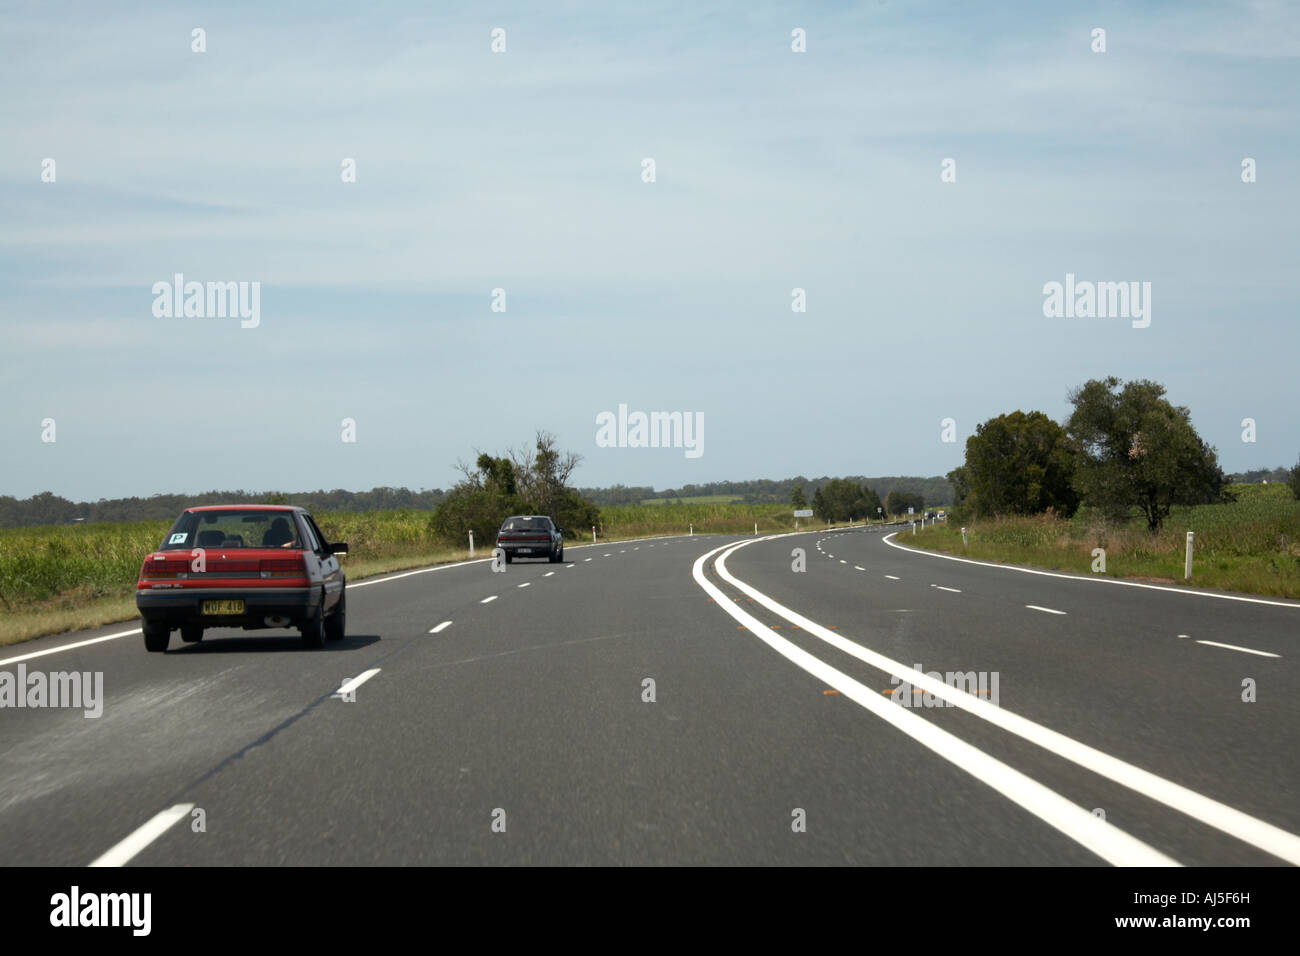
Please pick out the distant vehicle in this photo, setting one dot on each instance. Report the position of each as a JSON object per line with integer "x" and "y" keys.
{"x": 247, "y": 566}
{"x": 943, "y": 514}
{"x": 531, "y": 536}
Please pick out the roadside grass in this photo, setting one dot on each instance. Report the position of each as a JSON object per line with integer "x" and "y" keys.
{"x": 1251, "y": 545}
{"x": 61, "y": 578}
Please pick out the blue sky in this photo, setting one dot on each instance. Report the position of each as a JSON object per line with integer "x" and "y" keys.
{"x": 522, "y": 171}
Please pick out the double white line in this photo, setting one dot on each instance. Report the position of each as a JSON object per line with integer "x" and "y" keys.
{"x": 1094, "y": 833}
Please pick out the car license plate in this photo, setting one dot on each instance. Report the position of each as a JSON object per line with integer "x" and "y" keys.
{"x": 223, "y": 607}
{"x": 525, "y": 550}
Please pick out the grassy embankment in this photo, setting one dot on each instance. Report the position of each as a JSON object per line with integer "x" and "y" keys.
{"x": 69, "y": 577}
{"x": 1251, "y": 545}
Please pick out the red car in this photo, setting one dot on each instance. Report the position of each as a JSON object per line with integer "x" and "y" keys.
{"x": 249, "y": 566}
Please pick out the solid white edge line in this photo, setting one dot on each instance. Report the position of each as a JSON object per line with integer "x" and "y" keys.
{"x": 1244, "y": 650}
{"x": 1258, "y": 833}
{"x": 67, "y": 647}
{"x": 350, "y": 685}
{"x": 1076, "y": 577}
{"x": 1097, "y": 835}
{"x": 121, "y": 853}
{"x": 441, "y": 627}
{"x": 488, "y": 600}
{"x": 1035, "y": 607}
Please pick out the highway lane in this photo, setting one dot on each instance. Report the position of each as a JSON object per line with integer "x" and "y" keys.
{"x": 1111, "y": 672}
{"x": 532, "y": 704}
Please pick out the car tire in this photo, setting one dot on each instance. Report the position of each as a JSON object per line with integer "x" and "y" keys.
{"x": 509, "y": 558}
{"x": 336, "y": 623}
{"x": 553, "y": 558}
{"x": 192, "y": 633}
{"x": 561, "y": 560}
{"x": 313, "y": 628}
{"x": 156, "y": 637}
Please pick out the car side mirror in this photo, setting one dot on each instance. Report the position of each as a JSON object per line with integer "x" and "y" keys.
{"x": 339, "y": 547}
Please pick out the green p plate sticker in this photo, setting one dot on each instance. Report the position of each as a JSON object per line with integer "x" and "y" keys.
{"x": 178, "y": 538}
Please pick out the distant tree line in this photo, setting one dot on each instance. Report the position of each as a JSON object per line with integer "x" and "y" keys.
{"x": 935, "y": 490}
{"x": 47, "y": 508}
{"x": 1124, "y": 448}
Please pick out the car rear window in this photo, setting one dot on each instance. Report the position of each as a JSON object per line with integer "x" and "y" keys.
{"x": 233, "y": 528}
{"x": 526, "y": 524}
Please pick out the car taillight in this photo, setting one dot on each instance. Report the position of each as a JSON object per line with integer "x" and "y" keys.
{"x": 283, "y": 568}
{"x": 165, "y": 568}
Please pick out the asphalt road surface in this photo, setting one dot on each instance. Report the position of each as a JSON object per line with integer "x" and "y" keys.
{"x": 691, "y": 700}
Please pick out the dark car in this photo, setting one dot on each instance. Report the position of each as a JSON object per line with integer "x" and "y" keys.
{"x": 247, "y": 566}
{"x": 531, "y": 536}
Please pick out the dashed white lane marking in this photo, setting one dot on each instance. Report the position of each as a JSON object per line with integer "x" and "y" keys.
{"x": 488, "y": 600}
{"x": 606, "y": 555}
{"x": 348, "y": 686}
{"x": 842, "y": 561}
{"x": 585, "y": 560}
{"x": 856, "y": 568}
{"x": 574, "y": 565}
{"x": 1234, "y": 647}
{"x": 624, "y": 551}
{"x": 1035, "y": 607}
{"x": 548, "y": 574}
{"x": 441, "y": 627}
{"x": 892, "y": 577}
{"x": 122, "y": 853}
{"x": 942, "y": 588}
{"x": 1094, "y": 579}
{"x": 1184, "y": 635}
{"x": 67, "y": 647}
{"x": 524, "y": 585}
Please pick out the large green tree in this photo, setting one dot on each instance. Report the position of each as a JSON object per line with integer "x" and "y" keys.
{"x": 1017, "y": 464}
{"x": 1293, "y": 479}
{"x": 529, "y": 481}
{"x": 897, "y": 502}
{"x": 1137, "y": 450}
{"x": 842, "y": 499}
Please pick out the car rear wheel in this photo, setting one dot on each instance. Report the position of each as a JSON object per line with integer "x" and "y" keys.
{"x": 192, "y": 633}
{"x": 509, "y": 559}
{"x": 156, "y": 637}
{"x": 336, "y": 623}
{"x": 313, "y": 629}
{"x": 553, "y": 558}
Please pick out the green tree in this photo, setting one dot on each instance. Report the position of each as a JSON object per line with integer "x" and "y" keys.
{"x": 1135, "y": 449}
{"x": 797, "y": 500}
{"x": 897, "y": 502}
{"x": 1017, "y": 464}
{"x": 1293, "y": 479}
{"x": 841, "y": 499}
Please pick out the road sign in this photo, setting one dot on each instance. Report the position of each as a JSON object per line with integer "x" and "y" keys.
{"x": 803, "y": 513}
{"x": 911, "y": 511}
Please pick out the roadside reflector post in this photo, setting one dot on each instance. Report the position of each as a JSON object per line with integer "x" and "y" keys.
{"x": 755, "y": 527}
{"x": 1187, "y": 567}
{"x": 692, "y": 530}
{"x": 963, "y": 537}
{"x": 913, "y": 527}
{"x": 471, "y": 544}
{"x": 593, "y": 534}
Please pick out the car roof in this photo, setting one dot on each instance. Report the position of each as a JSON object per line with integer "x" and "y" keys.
{"x": 246, "y": 508}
